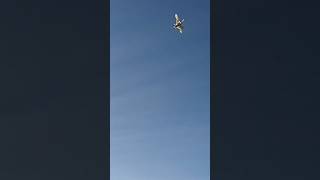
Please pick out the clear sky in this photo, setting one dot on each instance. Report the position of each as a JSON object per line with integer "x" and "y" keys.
{"x": 160, "y": 92}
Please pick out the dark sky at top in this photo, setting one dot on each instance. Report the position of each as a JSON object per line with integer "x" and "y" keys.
{"x": 54, "y": 89}
{"x": 268, "y": 74}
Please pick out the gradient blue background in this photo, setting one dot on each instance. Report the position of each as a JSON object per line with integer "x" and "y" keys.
{"x": 160, "y": 108}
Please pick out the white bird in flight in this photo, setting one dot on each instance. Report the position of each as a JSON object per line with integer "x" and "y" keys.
{"x": 178, "y": 25}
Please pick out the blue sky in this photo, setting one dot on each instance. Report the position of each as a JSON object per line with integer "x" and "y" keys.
{"x": 160, "y": 90}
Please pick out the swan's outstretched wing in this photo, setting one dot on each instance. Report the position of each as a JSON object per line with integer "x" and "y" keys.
{"x": 180, "y": 28}
{"x": 177, "y": 18}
